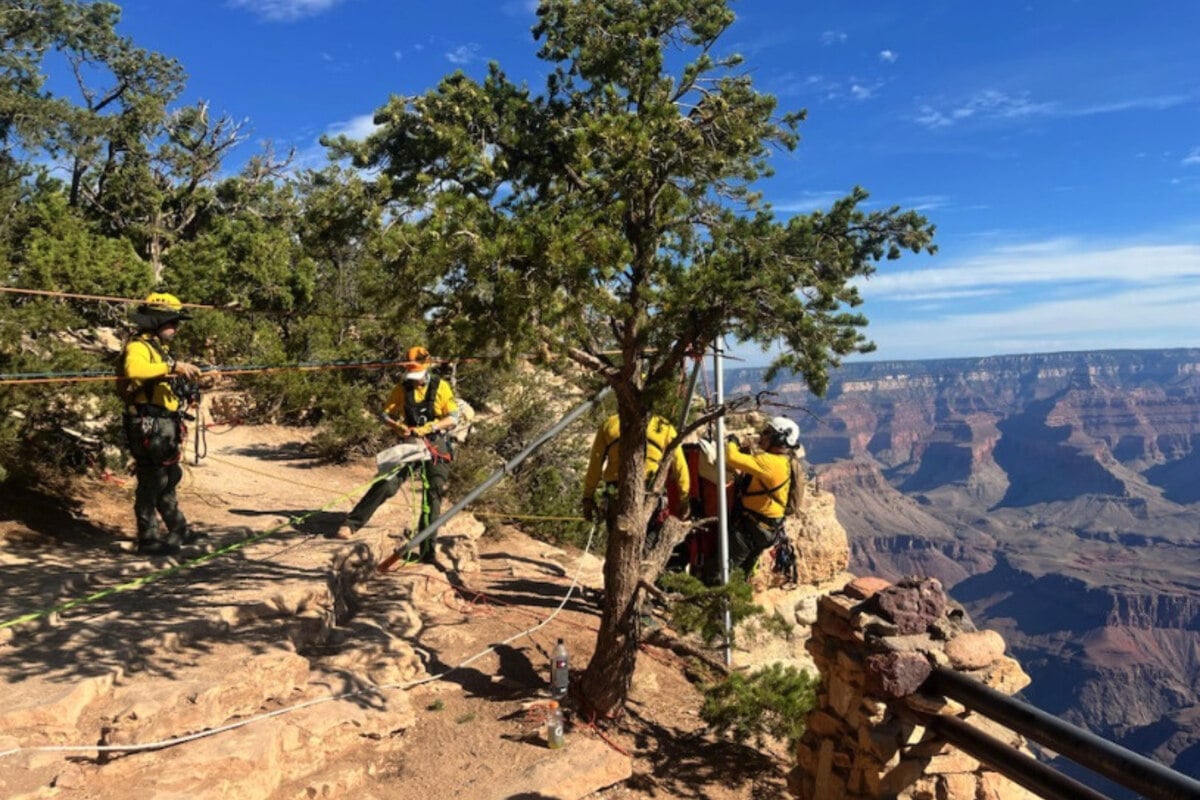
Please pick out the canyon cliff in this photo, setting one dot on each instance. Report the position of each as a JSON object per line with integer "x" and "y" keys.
{"x": 1056, "y": 495}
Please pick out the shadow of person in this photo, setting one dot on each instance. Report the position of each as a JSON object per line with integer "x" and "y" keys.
{"x": 305, "y": 521}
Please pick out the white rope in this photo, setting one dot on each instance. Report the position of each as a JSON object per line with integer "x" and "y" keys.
{"x": 133, "y": 748}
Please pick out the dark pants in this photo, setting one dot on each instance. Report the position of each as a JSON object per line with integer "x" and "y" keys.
{"x": 155, "y": 497}
{"x": 749, "y": 536}
{"x": 436, "y": 474}
{"x": 154, "y": 440}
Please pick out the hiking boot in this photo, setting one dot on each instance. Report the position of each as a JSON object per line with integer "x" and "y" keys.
{"x": 192, "y": 536}
{"x": 156, "y": 547}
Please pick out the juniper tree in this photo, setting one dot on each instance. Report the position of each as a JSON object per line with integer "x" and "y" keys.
{"x": 613, "y": 218}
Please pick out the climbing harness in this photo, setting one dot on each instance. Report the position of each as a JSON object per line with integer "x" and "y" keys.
{"x": 783, "y": 560}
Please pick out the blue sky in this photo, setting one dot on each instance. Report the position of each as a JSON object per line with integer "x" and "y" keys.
{"x": 1055, "y": 144}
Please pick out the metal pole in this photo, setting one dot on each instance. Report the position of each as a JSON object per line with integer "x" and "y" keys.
{"x": 722, "y": 504}
{"x": 1144, "y": 776}
{"x": 1035, "y": 776}
{"x": 691, "y": 392}
{"x": 508, "y": 467}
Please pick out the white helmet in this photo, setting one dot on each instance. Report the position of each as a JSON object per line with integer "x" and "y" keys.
{"x": 784, "y": 432}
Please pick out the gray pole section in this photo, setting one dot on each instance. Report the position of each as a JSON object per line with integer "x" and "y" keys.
{"x": 691, "y": 392}
{"x": 508, "y": 467}
{"x": 722, "y": 504}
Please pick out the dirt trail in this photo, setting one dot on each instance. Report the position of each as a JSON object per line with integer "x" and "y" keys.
{"x": 469, "y": 735}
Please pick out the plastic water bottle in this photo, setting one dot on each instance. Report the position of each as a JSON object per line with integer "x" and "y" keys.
{"x": 560, "y": 675}
{"x": 555, "y": 737}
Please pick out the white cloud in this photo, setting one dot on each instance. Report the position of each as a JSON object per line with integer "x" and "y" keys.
{"x": 807, "y": 202}
{"x": 927, "y": 202}
{"x": 357, "y": 128}
{"x": 1140, "y": 317}
{"x": 398, "y": 54}
{"x": 1042, "y": 263}
{"x": 861, "y": 92}
{"x": 889, "y": 56}
{"x": 315, "y": 156}
{"x": 1192, "y": 157}
{"x": 954, "y": 294}
{"x": 463, "y": 54}
{"x": 285, "y": 10}
{"x": 833, "y": 37}
{"x": 1039, "y": 297}
{"x": 1136, "y": 104}
{"x": 519, "y": 8}
{"x": 989, "y": 104}
{"x": 992, "y": 104}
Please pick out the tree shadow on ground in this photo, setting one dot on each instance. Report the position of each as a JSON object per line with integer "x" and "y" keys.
{"x": 686, "y": 763}
{"x": 291, "y": 451}
{"x": 527, "y": 592}
{"x": 53, "y": 517}
{"x": 135, "y": 614}
{"x": 304, "y": 520}
{"x": 477, "y": 683}
{"x": 552, "y": 567}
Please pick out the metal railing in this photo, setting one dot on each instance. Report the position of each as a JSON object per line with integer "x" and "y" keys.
{"x": 1123, "y": 767}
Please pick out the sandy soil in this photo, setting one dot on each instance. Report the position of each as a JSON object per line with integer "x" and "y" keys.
{"x": 476, "y": 723}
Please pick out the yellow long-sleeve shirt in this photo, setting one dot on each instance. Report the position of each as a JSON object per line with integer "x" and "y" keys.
{"x": 770, "y": 476}
{"x": 605, "y": 457}
{"x": 146, "y": 361}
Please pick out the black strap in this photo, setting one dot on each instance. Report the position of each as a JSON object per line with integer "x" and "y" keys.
{"x": 413, "y": 410}
{"x": 772, "y": 490}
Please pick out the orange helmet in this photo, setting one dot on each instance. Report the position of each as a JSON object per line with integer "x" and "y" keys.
{"x": 416, "y": 363}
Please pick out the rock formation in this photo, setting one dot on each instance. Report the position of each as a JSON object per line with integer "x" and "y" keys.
{"x": 1056, "y": 496}
{"x": 875, "y": 644}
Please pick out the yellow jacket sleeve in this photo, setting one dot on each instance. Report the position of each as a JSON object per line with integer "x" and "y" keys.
{"x": 601, "y": 461}
{"x": 680, "y": 471}
{"x": 394, "y": 407}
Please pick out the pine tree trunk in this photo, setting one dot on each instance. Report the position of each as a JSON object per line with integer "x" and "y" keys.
{"x": 605, "y": 683}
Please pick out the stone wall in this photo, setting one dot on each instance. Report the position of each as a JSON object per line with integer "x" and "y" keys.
{"x": 874, "y": 644}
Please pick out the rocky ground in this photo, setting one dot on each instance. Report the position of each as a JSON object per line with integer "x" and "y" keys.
{"x": 361, "y": 668}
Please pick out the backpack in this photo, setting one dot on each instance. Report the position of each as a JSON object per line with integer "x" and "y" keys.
{"x": 466, "y": 421}
{"x": 796, "y": 488}
{"x": 125, "y": 388}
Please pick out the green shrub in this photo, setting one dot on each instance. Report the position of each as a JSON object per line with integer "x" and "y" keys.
{"x": 700, "y": 609}
{"x": 773, "y": 701}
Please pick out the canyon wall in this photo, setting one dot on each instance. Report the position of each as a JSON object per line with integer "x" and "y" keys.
{"x": 1056, "y": 495}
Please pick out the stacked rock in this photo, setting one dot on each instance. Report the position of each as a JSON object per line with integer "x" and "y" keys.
{"x": 874, "y": 644}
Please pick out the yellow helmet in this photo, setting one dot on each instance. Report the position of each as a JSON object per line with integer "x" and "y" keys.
{"x": 159, "y": 309}
{"x": 163, "y": 301}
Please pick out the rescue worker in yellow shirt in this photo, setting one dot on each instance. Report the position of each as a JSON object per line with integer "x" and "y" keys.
{"x": 421, "y": 407}
{"x": 761, "y": 491}
{"x": 153, "y": 422}
{"x": 605, "y": 459}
